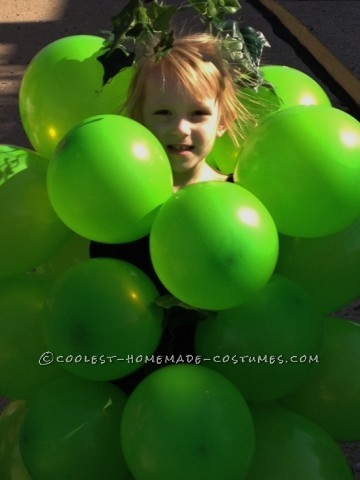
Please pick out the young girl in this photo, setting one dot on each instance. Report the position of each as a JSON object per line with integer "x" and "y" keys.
{"x": 187, "y": 98}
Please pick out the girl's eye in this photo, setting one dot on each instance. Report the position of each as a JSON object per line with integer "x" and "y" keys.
{"x": 162, "y": 112}
{"x": 201, "y": 113}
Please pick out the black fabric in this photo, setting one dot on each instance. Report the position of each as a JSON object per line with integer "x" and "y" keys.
{"x": 136, "y": 253}
{"x": 179, "y": 324}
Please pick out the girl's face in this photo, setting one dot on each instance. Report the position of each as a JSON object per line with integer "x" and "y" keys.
{"x": 185, "y": 125}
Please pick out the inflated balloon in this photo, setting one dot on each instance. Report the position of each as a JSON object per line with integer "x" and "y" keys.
{"x": 213, "y": 244}
{"x": 63, "y": 85}
{"x": 327, "y": 267}
{"x": 260, "y": 102}
{"x": 75, "y": 250}
{"x": 223, "y": 155}
{"x": 71, "y": 430}
{"x": 101, "y": 320}
{"x": 107, "y": 179}
{"x": 30, "y": 229}
{"x": 187, "y": 421}
{"x": 22, "y": 340}
{"x": 268, "y": 346}
{"x": 303, "y": 163}
{"x": 11, "y": 464}
{"x": 293, "y": 87}
{"x": 287, "y": 87}
{"x": 331, "y": 397}
{"x": 289, "y": 447}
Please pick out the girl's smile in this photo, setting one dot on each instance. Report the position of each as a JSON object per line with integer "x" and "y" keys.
{"x": 186, "y": 126}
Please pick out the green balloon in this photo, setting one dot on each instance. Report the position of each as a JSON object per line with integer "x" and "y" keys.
{"x": 30, "y": 230}
{"x": 264, "y": 346}
{"x": 101, "y": 320}
{"x": 187, "y": 421}
{"x": 260, "y": 102}
{"x": 63, "y": 85}
{"x": 303, "y": 163}
{"x": 289, "y": 447}
{"x": 74, "y": 251}
{"x": 213, "y": 244}
{"x": 71, "y": 430}
{"x": 107, "y": 179}
{"x": 223, "y": 155}
{"x": 22, "y": 340}
{"x": 326, "y": 267}
{"x": 293, "y": 87}
{"x": 331, "y": 397}
{"x": 11, "y": 463}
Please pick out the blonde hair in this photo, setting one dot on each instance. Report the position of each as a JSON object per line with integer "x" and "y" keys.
{"x": 197, "y": 62}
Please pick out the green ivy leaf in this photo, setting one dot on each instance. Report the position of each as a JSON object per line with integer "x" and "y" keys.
{"x": 255, "y": 42}
{"x": 123, "y": 22}
{"x": 215, "y": 9}
{"x": 143, "y": 27}
{"x": 160, "y": 16}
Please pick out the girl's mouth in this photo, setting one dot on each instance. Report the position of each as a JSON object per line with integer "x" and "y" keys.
{"x": 180, "y": 148}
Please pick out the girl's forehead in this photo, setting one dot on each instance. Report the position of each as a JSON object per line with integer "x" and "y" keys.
{"x": 168, "y": 87}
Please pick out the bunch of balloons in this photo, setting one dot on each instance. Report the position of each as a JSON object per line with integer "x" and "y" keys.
{"x": 258, "y": 266}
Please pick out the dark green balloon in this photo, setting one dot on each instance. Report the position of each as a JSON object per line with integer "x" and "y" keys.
{"x": 22, "y": 339}
{"x": 187, "y": 422}
{"x": 331, "y": 397}
{"x": 71, "y": 430}
{"x": 289, "y": 447}
{"x": 213, "y": 244}
{"x": 264, "y": 345}
{"x": 63, "y": 85}
{"x": 107, "y": 179}
{"x": 30, "y": 229}
{"x": 101, "y": 319}
{"x": 303, "y": 163}
{"x": 11, "y": 464}
{"x": 74, "y": 251}
{"x": 326, "y": 267}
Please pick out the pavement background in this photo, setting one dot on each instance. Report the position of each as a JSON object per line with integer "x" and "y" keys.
{"x": 320, "y": 38}
{"x": 26, "y": 26}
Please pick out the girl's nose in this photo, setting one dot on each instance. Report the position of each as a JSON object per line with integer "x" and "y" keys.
{"x": 182, "y": 126}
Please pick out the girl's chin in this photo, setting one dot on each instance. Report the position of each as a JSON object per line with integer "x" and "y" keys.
{"x": 182, "y": 164}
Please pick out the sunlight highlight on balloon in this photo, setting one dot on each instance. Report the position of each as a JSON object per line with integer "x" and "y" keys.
{"x": 248, "y": 216}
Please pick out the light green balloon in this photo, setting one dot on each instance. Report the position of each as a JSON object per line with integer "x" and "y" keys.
{"x": 289, "y": 447}
{"x": 22, "y": 340}
{"x": 108, "y": 178}
{"x": 303, "y": 163}
{"x": 264, "y": 345}
{"x": 213, "y": 244}
{"x": 102, "y": 320}
{"x": 331, "y": 397}
{"x": 63, "y": 85}
{"x": 71, "y": 430}
{"x": 30, "y": 230}
{"x": 224, "y": 154}
{"x": 187, "y": 422}
{"x": 326, "y": 267}
{"x": 293, "y": 87}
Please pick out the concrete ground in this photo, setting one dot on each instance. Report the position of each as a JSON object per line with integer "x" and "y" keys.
{"x": 320, "y": 38}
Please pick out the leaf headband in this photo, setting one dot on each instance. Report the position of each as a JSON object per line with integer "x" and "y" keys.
{"x": 143, "y": 27}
